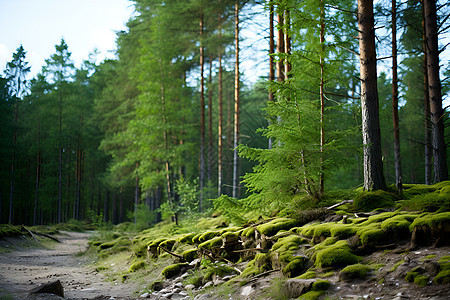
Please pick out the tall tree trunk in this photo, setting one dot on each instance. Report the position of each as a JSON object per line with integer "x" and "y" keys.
{"x": 373, "y": 164}
{"x": 428, "y": 143}
{"x": 202, "y": 116}
{"x": 287, "y": 42}
{"x": 106, "y": 207}
{"x": 36, "y": 190}
{"x": 434, "y": 90}
{"x": 398, "y": 164}
{"x": 280, "y": 44}
{"x": 271, "y": 58}
{"x": 220, "y": 127}
{"x": 322, "y": 96}
{"x": 210, "y": 131}
{"x": 60, "y": 157}
{"x": 136, "y": 194}
{"x": 13, "y": 162}
{"x": 236, "y": 187}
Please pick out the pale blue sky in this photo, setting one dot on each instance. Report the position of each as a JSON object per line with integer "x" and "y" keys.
{"x": 39, "y": 25}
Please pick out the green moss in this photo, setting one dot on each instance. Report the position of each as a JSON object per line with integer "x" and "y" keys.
{"x": 318, "y": 229}
{"x": 430, "y": 220}
{"x": 208, "y": 235}
{"x": 311, "y": 295}
{"x": 167, "y": 244}
{"x": 427, "y": 257}
{"x": 249, "y": 232}
{"x": 320, "y": 285}
{"x": 356, "y": 271}
{"x": 136, "y": 266}
{"x": 336, "y": 255}
{"x": 214, "y": 242}
{"x": 431, "y": 202}
{"x": 421, "y": 280}
{"x": 368, "y": 201}
{"x": 307, "y": 275}
{"x": 195, "y": 239}
{"x": 399, "y": 223}
{"x": 271, "y": 228}
{"x": 343, "y": 230}
{"x": 371, "y": 234}
{"x": 411, "y": 275}
{"x": 396, "y": 265}
{"x": 173, "y": 270}
{"x": 288, "y": 243}
{"x": 187, "y": 239}
{"x": 189, "y": 255}
{"x": 295, "y": 267}
{"x": 442, "y": 277}
{"x": 219, "y": 270}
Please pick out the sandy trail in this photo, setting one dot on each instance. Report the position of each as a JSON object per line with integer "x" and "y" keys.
{"x": 25, "y": 268}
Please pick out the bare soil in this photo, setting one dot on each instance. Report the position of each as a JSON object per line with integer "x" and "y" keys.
{"x": 24, "y": 267}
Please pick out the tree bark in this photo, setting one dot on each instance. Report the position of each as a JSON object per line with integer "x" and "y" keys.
{"x": 271, "y": 59}
{"x": 280, "y": 45}
{"x": 236, "y": 103}
{"x": 210, "y": 131}
{"x": 202, "y": 116}
{"x": 373, "y": 165}
{"x": 13, "y": 162}
{"x": 434, "y": 90}
{"x": 36, "y": 191}
{"x": 322, "y": 97}
{"x": 398, "y": 164}
{"x": 220, "y": 129}
{"x": 427, "y": 140}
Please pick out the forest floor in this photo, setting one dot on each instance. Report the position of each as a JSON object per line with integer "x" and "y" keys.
{"x": 25, "y": 264}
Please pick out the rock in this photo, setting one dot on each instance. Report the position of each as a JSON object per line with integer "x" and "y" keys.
{"x": 190, "y": 287}
{"x": 203, "y": 296}
{"x": 228, "y": 277}
{"x": 54, "y": 287}
{"x": 431, "y": 267}
{"x": 157, "y": 286}
{"x": 177, "y": 297}
{"x": 145, "y": 295}
{"x": 247, "y": 291}
{"x": 208, "y": 284}
{"x": 294, "y": 288}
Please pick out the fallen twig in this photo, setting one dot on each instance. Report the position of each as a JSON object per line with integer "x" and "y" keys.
{"x": 339, "y": 204}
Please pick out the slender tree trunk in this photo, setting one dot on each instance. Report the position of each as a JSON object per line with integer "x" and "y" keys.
{"x": 60, "y": 157}
{"x": 106, "y": 207}
{"x": 13, "y": 163}
{"x": 287, "y": 42}
{"x": 271, "y": 58}
{"x": 202, "y": 116}
{"x": 210, "y": 131}
{"x": 398, "y": 163}
{"x": 322, "y": 97}
{"x": 428, "y": 143}
{"x": 434, "y": 90}
{"x": 136, "y": 194}
{"x": 220, "y": 129}
{"x": 280, "y": 45}
{"x": 373, "y": 164}
{"x": 36, "y": 191}
{"x": 236, "y": 103}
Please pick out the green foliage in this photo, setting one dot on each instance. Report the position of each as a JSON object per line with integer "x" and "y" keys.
{"x": 189, "y": 195}
{"x": 230, "y": 208}
{"x": 144, "y": 216}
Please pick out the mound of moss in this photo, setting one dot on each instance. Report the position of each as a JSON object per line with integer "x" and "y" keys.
{"x": 336, "y": 255}
{"x": 368, "y": 201}
{"x": 444, "y": 273}
{"x": 273, "y": 227}
{"x": 173, "y": 270}
{"x": 356, "y": 271}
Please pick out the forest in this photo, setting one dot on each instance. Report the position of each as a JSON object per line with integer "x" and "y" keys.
{"x": 354, "y": 96}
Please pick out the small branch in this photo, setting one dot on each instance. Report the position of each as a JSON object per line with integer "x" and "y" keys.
{"x": 42, "y": 234}
{"x": 339, "y": 204}
{"x": 31, "y": 233}
{"x": 171, "y": 253}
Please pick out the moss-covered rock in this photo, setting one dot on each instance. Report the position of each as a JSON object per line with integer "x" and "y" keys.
{"x": 187, "y": 238}
{"x": 307, "y": 275}
{"x": 356, "y": 271}
{"x": 291, "y": 242}
{"x": 189, "y": 255}
{"x": 371, "y": 200}
{"x": 295, "y": 267}
{"x": 217, "y": 270}
{"x": 311, "y": 295}
{"x": 431, "y": 226}
{"x": 444, "y": 274}
{"x": 273, "y": 227}
{"x": 320, "y": 285}
{"x": 136, "y": 266}
{"x": 208, "y": 235}
{"x": 173, "y": 270}
{"x": 336, "y": 255}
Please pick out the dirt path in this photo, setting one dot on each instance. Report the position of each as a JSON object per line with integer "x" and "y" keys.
{"x": 25, "y": 268}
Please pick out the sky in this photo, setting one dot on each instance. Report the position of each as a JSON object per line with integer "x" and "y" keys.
{"x": 39, "y": 25}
